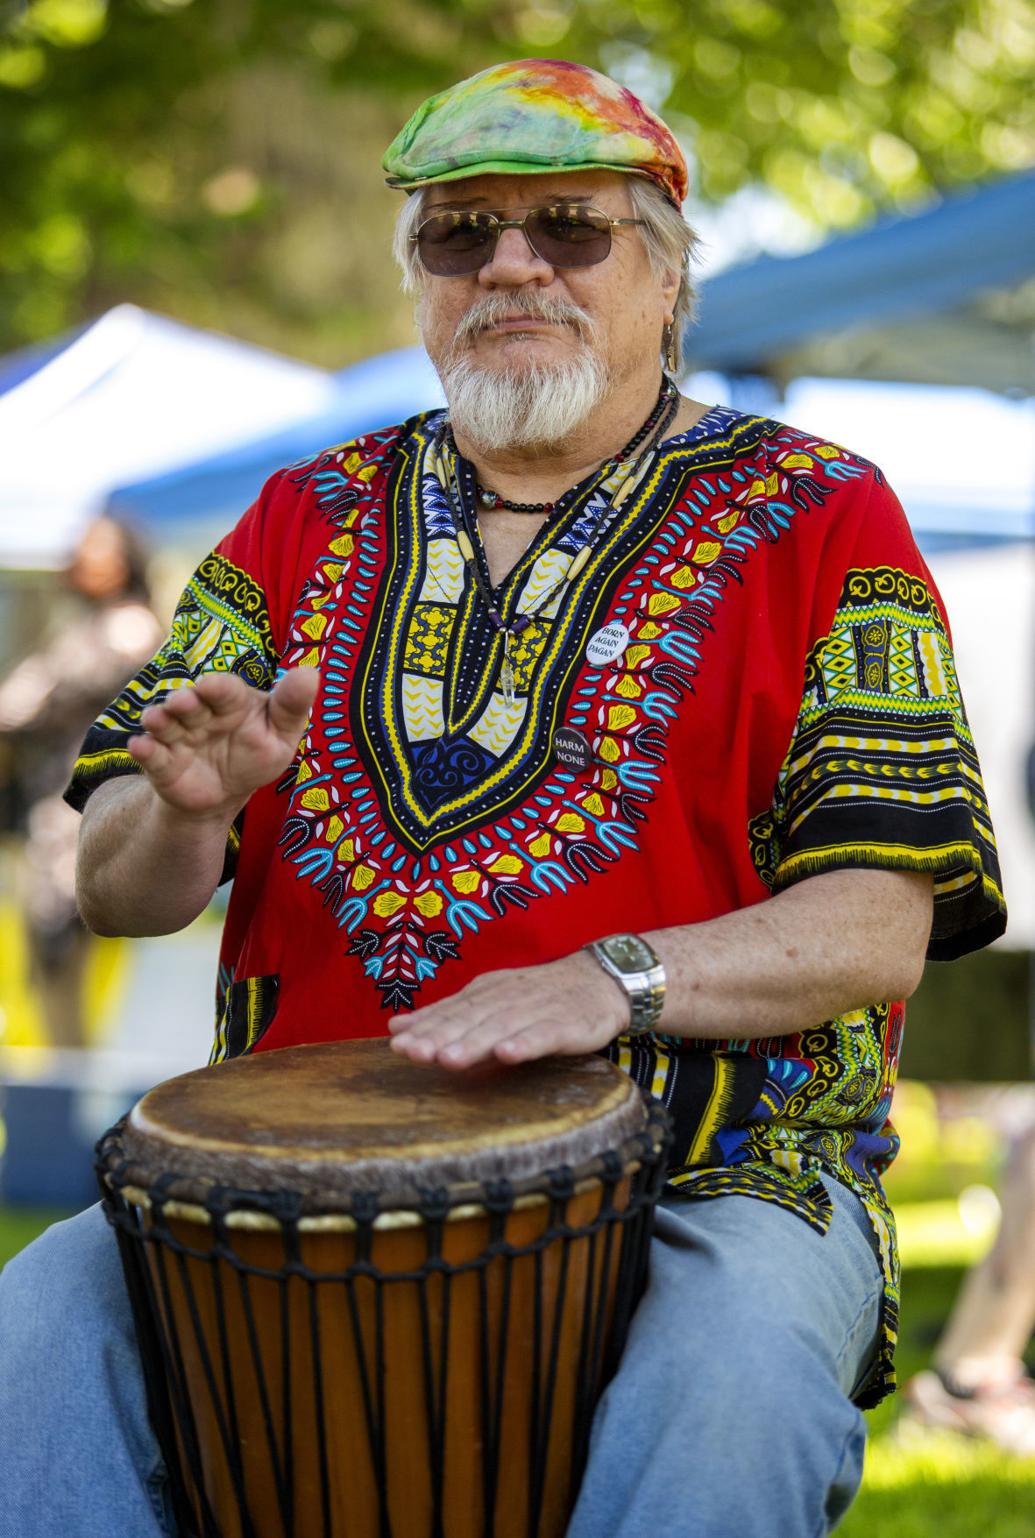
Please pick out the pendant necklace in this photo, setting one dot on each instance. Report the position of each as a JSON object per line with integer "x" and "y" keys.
{"x": 623, "y": 468}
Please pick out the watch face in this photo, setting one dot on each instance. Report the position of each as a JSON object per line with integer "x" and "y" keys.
{"x": 629, "y": 953}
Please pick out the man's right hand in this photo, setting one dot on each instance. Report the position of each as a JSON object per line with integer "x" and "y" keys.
{"x": 207, "y": 747}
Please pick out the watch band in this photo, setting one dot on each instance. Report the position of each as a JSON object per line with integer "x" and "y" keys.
{"x": 635, "y": 967}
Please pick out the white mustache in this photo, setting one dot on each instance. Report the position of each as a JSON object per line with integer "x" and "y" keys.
{"x": 494, "y": 308}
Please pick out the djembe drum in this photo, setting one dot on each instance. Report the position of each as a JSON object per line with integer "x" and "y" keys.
{"x": 376, "y": 1299}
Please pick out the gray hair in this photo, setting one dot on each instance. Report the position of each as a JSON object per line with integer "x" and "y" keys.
{"x": 671, "y": 244}
{"x": 669, "y": 240}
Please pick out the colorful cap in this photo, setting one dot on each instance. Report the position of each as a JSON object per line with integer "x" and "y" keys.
{"x": 534, "y": 115}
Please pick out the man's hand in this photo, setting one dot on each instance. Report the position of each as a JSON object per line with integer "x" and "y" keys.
{"x": 831, "y": 944}
{"x": 206, "y": 749}
{"x": 569, "y": 1006}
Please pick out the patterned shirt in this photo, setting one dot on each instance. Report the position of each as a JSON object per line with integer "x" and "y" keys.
{"x": 785, "y": 704}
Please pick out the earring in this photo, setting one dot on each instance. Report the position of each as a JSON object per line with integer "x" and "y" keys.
{"x": 668, "y": 347}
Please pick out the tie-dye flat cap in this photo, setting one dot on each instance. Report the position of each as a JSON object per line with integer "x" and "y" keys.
{"x": 535, "y": 115}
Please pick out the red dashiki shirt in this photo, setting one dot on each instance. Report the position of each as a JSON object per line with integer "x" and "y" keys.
{"x": 786, "y": 703}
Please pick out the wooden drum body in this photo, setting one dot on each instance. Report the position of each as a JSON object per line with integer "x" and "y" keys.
{"x": 379, "y": 1300}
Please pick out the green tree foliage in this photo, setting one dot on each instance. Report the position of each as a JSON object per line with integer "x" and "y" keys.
{"x": 218, "y": 160}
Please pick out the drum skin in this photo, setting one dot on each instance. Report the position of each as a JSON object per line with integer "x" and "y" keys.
{"x": 380, "y": 1299}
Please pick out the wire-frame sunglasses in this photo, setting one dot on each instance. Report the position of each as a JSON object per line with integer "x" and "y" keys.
{"x": 455, "y": 242}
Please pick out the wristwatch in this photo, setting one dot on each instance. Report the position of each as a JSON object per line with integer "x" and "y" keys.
{"x": 637, "y": 970}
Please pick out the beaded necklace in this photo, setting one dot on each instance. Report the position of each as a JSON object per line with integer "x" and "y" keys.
{"x": 628, "y": 465}
{"x": 492, "y": 499}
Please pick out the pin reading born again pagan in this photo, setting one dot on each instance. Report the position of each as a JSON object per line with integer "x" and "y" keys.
{"x": 571, "y": 748}
{"x": 607, "y": 644}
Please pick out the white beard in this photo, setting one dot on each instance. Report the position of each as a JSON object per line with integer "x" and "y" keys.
{"x": 536, "y": 406}
{"x": 540, "y": 406}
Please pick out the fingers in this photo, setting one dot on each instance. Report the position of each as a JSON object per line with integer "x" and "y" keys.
{"x": 210, "y": 744}
{"x": 442, "y": 1036}
{"x": 456, "y": 1043}
{"x": 143, "y": 749}
{"x": 464, "y": 1030}
{"x": 154, "y": 757}
{"x": 156, "y": 747}
{"x": 170, "y": 721}
{"x": 222, "y": 701}
{"x": 291, "y": 701}
{"x": 224, "y": 693}
{"x": 566, "y": 1006}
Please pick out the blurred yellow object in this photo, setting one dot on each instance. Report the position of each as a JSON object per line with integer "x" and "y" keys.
{"x": 104, "y": 985}
{"x": 936, "y": 1233}
{"x": 969, "y": 1140}
{"x": 21, "y": 1023}
{"x": 915, "y": 1115}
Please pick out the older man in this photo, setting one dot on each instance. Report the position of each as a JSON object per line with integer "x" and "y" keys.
{"x": 628, "y": 725}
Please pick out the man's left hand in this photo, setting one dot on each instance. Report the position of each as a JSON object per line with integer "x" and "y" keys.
{"x": 569, "y": 1006}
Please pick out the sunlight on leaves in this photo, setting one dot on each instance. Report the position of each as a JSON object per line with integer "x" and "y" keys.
{"x": 541, "y": 25}
{"x": 22, "y": 68}
{"x": 66, "y": 23}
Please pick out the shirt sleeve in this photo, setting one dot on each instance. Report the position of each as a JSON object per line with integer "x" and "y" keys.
{"x": 221, "y": 625}
{"x": 882, "y": 771}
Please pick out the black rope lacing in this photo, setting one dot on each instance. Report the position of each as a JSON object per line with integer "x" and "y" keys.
{"x": 210, "y": 1373}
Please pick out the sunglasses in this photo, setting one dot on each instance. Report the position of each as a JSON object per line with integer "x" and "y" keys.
{"x": 453, "y": 242}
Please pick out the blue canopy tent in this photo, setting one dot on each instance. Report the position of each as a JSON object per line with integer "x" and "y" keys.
{"x": 215, "y": 491}
{"x": 946, "y": 296}
{"x": 21, "y": 365}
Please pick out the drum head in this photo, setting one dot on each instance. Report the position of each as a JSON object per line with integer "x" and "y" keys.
{"x": 330, "y": 1120}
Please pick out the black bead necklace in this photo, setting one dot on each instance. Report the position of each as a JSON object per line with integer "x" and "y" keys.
{"x": 492, "y": 499}
{"x": 659, "y": 422}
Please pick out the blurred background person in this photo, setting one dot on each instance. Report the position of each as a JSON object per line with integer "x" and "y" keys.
{"x": 978, "y": 1384}
{"x": 101, "y": 629}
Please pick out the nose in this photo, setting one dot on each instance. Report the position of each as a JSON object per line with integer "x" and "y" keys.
{"x": 514, "y": 262}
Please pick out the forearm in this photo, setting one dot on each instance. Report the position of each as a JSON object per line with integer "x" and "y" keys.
{"x": 151, "y": 849}
{"x": 830, "y": 944}
{"x": 144, "y": 868}
{"x": 833, "y": 943}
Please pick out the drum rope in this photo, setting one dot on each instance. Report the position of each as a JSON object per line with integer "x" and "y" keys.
{"x": 201, "y": 1394}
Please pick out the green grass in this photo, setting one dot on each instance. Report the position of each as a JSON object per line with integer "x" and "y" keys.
{"x": 944, "y": 1488}
{"x": 20, "y": 1225}
{"x": 935, "y": 1485}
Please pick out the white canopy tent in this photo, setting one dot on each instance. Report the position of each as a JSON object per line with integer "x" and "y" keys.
{"x": 132, "y": 395}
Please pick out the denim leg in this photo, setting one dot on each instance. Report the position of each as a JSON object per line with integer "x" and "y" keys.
{"x": 729, "y": 1416}
{"x": 77, "y": 1455}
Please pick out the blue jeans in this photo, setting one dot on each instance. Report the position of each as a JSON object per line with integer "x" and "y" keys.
{"x": 730, "y": 1413}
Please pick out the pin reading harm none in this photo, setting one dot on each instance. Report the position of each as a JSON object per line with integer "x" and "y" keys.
{"x": 571, "y": 748}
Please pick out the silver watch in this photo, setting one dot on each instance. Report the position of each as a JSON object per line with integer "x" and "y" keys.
{"x": 637, "y": 970}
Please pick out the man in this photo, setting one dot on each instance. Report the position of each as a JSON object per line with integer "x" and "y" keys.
{"x": 577, "y": 658}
